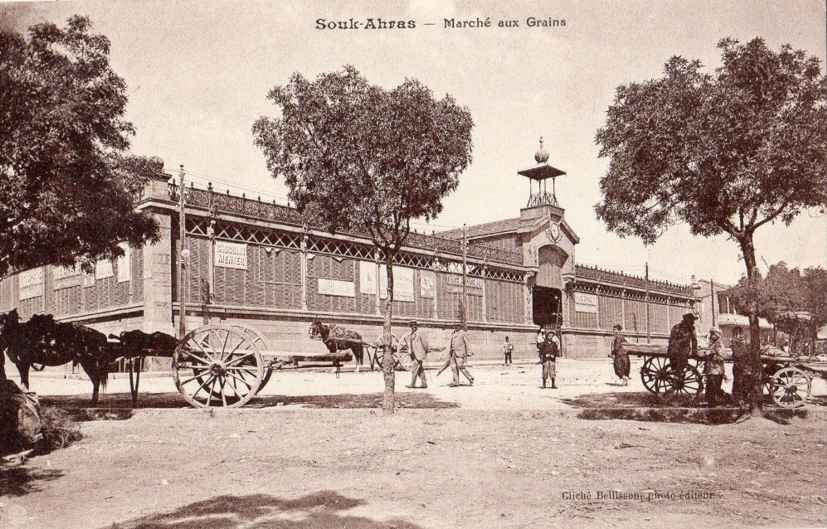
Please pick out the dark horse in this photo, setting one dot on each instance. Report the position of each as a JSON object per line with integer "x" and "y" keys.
{"x": 339, "y": 339}
{"x": 135, "y": 345}
{"x": 42, "y": 341}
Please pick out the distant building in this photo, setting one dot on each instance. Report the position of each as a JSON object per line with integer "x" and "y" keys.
{"x": 716, "y": 309}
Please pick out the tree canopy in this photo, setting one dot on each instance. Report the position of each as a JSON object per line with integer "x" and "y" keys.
{"x": 783, "y": 292}
{"x": 356, "y": 156}
{"x": 69, "y": 186}
{"x": 724, "y": 152}
{"x": 359, "y": 156}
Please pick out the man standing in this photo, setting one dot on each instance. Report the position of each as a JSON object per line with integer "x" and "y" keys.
{"x": 415, "y": 345}
{"x": 620, "y": 356}
{"x": 714, "y": 369}
{"x": 682, "y": 343}
{"x": 508, "y": 348}
{"x": 459, "y": 350}
{"x": 548, "y": 358}
{"x": 741, "y": 372}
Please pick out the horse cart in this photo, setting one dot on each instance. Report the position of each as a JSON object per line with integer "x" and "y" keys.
{"x": 788, "y": 380}
{"x": 213, "y": 365}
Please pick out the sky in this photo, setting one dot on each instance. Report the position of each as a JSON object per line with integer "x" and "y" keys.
{"x": 198, "y": 73}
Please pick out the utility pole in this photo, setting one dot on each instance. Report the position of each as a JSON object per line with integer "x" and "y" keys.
{"x": 464, "y": 272}
{"x": 648, "y": 333}
{"x": 712, "y": 300}
{"x": 182, "y": 230}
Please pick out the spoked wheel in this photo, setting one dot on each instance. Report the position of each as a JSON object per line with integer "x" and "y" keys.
{"x": 655, "y": 374}
{"x": 682, "y": 386}
{"x": 260, "y": 344}
{"x": 217, "y": 366}
{"x": 790, "y": 387}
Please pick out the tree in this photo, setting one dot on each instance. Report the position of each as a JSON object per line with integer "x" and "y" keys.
{"x": 725, "y": 153}
{"x": 69, "y": 187}
{"x": 358, "y": 157}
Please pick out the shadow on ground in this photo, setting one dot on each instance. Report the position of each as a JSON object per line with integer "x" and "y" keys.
{"x": 645, "y": 406}
{"x": 119, "y": 405}
{"x": 21, "y": 480}
{"x": 323, "y": 510}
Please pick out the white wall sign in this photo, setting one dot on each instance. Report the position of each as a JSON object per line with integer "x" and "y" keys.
{"x": 403, "y": 283}
{"x": 231, "y": 255}
{"x": 124, "y": 264}
{"x": 584, "y": 302}
{"x": 427, "y": 283}
{"x": 103, "y": 269}
{"x": 31, "y": 283}
{"x": 367, "y": 277}
{"x": 470, "y": 282}
{"x": 335, "y": 287}
{"x": 62, "y": 272}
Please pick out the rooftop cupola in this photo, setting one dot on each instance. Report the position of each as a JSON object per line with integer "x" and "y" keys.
{"x": 541, "y": 173}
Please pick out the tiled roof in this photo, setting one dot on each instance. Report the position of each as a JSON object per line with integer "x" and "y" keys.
{"x": 481, "y": 230}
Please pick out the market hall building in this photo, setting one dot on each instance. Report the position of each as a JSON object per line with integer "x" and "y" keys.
{"x": 264, "y": 268}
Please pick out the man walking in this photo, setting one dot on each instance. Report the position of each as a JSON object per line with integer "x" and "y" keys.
{"x": 508, "y": 348}
{"x": 458, "y": 351}
{"x": 414, "y": 344}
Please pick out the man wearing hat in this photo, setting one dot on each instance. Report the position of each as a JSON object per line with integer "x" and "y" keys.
{"x": 714, "y": 369}
{"x": 682, "y": 342}
{"x": 620, "y": 356}
{"x": 414, "y": 343}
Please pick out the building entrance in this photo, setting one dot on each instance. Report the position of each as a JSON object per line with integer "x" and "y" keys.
{"x": 548, "y": 307}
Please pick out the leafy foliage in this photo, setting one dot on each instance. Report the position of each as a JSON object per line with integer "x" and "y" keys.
{"x": 355, "y": 155}
{"x": 725, "y": 153}
{"x": 68, "y": 188}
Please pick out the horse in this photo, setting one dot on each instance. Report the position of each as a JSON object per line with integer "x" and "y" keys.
{"x": 339, "y": 339}
{"x": 135, "y": 345}
{"x": 42, "y": 341}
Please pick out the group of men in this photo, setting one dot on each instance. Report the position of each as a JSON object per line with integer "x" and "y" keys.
{"x": 415, "y": 344}
{"x": 683, "y": 344}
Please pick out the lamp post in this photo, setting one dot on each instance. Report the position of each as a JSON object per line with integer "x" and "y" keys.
{"x": 183, "y": 256}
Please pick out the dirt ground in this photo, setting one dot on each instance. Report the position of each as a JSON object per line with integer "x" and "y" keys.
{"x": 314, "y": 452}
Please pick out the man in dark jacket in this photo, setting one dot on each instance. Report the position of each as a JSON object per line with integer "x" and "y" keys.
{"x": 548, "y": 358}
{"x": 682, "y": 342}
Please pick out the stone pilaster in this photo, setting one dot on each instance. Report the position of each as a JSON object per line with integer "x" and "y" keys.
{"x": 158, "y": 279}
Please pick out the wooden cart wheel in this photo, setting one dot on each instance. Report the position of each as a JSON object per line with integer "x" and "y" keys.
{"x": 682, "y": 386}
{"x": 790, "y": 387}
{"x": 217, "y": 366}
{"x": 260, "y": 344}
{"x": 655, "y": 374}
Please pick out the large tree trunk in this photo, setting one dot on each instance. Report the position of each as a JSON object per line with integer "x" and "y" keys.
{"x": 388, "y": 360}
{"x": 755, "y": 368}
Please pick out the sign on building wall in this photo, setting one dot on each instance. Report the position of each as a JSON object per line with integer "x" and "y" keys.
{"x": 62, "y": 272}
{"x": 231, "y": 255}
{"x": 403, "y": 283}
{"x": 124, "y": 264}
{"x": 367, "y": 277}
{"x": 103, "y": 269}
{"x": 31, "y": 283}
{"x": 427, "y": 284}
{"x": 584, "y": 302}
{"x": 470, "y": 282}
{"x": 335, "y": 287}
